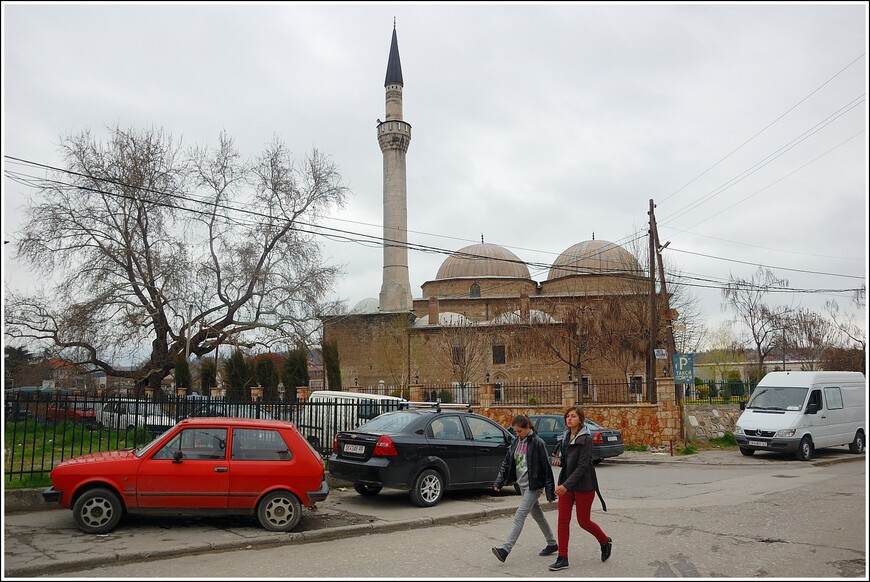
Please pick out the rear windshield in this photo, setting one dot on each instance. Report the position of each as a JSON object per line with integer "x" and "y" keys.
{"x": 389, "y": 422}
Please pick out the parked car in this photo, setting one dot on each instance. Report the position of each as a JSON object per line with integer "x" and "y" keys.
{"x": 193, "y": 408}
{"x": 126, "y": 413}
{"x": 80, "y": 410}
{"x": 211, "y": 466}
{"x": 605, "y": 442}
{"x": 423, "y": 450}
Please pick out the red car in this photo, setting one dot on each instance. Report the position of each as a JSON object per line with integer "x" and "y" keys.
{"x": 79, "y": 410}
{"x": 203, "y": 466}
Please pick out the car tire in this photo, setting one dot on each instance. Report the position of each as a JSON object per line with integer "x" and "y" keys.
{"x": 805, "y": 449}
{"x": 597, "y": 461}
{"x": 366, "y": 490}
{"x": 747, "y": 452}
{"x": 98, "y": 511}
{"x": 857, "y": 445}
{"x": 279, "y": 511}
{"x": 428, "y": 488}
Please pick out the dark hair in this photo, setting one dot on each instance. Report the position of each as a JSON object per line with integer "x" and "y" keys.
{"x": 579, "y": 410}
{"x": 522, "y": 421}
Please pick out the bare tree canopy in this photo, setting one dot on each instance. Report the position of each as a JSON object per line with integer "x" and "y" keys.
{"x": 185, "y": 249}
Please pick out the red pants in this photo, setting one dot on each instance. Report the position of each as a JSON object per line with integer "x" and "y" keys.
{"x": 584, "y": 510}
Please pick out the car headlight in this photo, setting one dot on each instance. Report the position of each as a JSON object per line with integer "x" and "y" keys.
{"x": 739, "y": 431}
{"x": 784, "y": 433}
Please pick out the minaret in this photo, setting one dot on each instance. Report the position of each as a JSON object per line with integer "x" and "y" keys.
{"x": 394, "y": 136}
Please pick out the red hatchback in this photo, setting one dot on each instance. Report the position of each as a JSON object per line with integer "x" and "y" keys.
{"x": 203, "y": 466}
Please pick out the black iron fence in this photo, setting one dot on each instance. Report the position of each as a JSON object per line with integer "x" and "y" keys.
{"x": 732, "y": 392}
{"x": 41, "y": 429}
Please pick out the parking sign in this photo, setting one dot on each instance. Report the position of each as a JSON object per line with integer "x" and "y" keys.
{"x": 684, "y": 369}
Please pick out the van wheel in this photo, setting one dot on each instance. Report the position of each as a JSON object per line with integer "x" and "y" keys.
{"x": 428, "y": 488}
{"x": 279, "y": 511}
{"x": 857, "y": 445}
{"x": 366, "y": 490}
{"x": 805, "y": 449}
{"x": 97, "y": 511}
{"x": 747, "y": 452}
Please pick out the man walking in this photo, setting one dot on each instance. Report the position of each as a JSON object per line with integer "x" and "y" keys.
{"x": 527, "y": 463}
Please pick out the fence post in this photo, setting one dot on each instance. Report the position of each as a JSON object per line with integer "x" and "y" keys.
{"x": 487, "y": 395}
{"x": 569, "y": 393}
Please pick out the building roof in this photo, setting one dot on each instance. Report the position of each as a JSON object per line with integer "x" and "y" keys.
{"x": 594, "y": 257}
{"x": 483, "y": 260}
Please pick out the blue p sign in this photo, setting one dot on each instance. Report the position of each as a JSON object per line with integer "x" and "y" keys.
{"x": 684, "y": 368}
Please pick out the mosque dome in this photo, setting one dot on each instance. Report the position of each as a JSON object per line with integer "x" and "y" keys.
{"x": 367, "y": 305}
{"x": 595, "y": 257}
{"x": 483, "y": 260}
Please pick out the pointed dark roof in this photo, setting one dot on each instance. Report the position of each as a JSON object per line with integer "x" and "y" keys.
{"x": 394, "y": 65}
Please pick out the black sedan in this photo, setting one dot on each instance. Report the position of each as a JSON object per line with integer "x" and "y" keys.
{"x": 424, "y": 451}
{"x": 605, "y": 442}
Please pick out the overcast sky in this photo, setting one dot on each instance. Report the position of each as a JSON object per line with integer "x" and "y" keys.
{"x": 533, "y": 125}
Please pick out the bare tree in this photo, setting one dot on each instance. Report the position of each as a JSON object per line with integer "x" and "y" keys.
{"x": 463, "y": 348}
{"x": 847, "y": 323}
{"x": 150, "y": 244}
{"x": 724, "y": 351}
{"x": 808, "y": 335}
{"x": 623, "y": 333}
{"x": 746, "y": 298}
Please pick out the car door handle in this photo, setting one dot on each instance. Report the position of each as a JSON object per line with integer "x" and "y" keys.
{"x": 221, "y": 469}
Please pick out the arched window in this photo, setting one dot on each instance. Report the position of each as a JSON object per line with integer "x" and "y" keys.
{"x": 475, "y": 290}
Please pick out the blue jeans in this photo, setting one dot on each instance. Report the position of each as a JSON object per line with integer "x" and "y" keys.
{"x": 529, "y": 503}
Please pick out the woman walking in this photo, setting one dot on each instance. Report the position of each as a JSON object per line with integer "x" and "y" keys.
{"x": 577, "y": 484}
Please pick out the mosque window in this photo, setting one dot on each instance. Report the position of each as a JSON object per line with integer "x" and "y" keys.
{"x": 498, "y": 356}
{"x": 475, "y": 290}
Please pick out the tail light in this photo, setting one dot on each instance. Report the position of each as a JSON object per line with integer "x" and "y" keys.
{"x": 385, "y": 447}
{"x": 335, "y": 444}
{"x": 597, "y": 439}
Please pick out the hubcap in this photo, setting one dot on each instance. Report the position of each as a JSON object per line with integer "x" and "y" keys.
{"x": 97, "y": 512}
{"x": 430, "y": 488}
{"x": 278, "y": 511}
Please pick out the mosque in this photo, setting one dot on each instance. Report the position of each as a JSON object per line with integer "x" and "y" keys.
{"x": 482, "y": 318}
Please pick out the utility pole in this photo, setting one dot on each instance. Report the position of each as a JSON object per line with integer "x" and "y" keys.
{"x": 653, "y": 320}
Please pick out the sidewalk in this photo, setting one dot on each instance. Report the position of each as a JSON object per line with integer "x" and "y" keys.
{"x": 41, "y": 542}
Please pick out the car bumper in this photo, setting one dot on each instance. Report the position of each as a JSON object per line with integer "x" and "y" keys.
{"x": 777, "y": 445}
{"x": 377, "y": 471}
{"x": 606, "y": 451}
{"x": 320, "y": 494}
{"x": 52, "y": 495}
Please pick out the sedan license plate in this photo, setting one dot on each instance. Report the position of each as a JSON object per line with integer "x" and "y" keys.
{"x": 758, "y": 443}
{"x": 611, "y": 438}
{"x": 355, "y": 449}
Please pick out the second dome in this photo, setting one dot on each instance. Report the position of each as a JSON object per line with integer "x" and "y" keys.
{"x": 483, "y": 260}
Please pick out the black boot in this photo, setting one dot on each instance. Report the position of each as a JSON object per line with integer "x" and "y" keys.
{"x": 605, "y": 549}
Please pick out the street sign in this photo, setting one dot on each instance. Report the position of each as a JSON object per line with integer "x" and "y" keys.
{"x": 684, "y": 369}
{"x": 661, "y": 354}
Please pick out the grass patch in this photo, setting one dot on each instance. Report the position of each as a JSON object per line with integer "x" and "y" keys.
{"x": 33, "y": 448}
{"x": 689, "y": 449}
{"x": 638, "y": 448}
{"x": 724, "y": 442}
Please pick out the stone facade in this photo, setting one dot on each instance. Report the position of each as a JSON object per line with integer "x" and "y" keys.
{"x": 711, "y": 421}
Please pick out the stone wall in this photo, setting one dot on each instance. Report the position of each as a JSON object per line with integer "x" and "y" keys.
{"x": 711, "y": 421}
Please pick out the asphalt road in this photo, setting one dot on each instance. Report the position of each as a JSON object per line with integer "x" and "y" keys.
{"x": 774, "y": 519}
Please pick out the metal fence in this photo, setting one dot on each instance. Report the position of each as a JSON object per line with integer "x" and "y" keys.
{"x": 732, "y": 392}
{"x": 41, "y": 429}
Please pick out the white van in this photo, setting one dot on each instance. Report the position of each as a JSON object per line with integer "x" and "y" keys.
{"x": 798, "y": 412}
{"x": 327, "y": 412}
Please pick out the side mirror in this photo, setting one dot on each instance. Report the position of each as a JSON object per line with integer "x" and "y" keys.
{"x": 177, "y": 456}
{"x": 813, "y": 407}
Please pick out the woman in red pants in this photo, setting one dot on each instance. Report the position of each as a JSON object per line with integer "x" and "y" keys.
{"x": 578, "y": 485}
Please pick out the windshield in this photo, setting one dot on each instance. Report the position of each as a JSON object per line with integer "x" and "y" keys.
{"x": 777, "y": 398}
{"x": 141, "y": 451}
{"x": 389, "y": 422}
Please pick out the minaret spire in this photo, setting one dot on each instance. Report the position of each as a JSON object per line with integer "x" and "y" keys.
{"x": 394, "y": 137}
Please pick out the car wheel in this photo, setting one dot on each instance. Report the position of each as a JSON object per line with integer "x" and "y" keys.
{"x": 279, "y": 511}
{"x": 366, "y": 490}
{"x": 747, "y": 452}
{"x": 597, "y": 461}
{"x": 428, "y": 488}
{"x": 805, "y": 449}
{"x": 98, "y": 511}
{"x": 857, "y": 445}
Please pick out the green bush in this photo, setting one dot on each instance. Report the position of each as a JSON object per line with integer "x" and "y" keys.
{"x": 446, "y": 396}
{"x": 533, "y": 400}
{"x": 687, "y": 450}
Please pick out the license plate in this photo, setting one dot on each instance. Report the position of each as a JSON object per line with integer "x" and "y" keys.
{"x": 758, "y": 443}
{"x": 355, "y": 449}
{"x": 611, "y": 438}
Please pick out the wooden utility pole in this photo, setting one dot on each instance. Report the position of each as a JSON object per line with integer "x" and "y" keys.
{"x": 653, "y": 320}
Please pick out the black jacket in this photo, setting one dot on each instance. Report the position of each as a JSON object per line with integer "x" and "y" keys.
{"x": 578, "y": 472}
{"x": 538, "y": 463}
